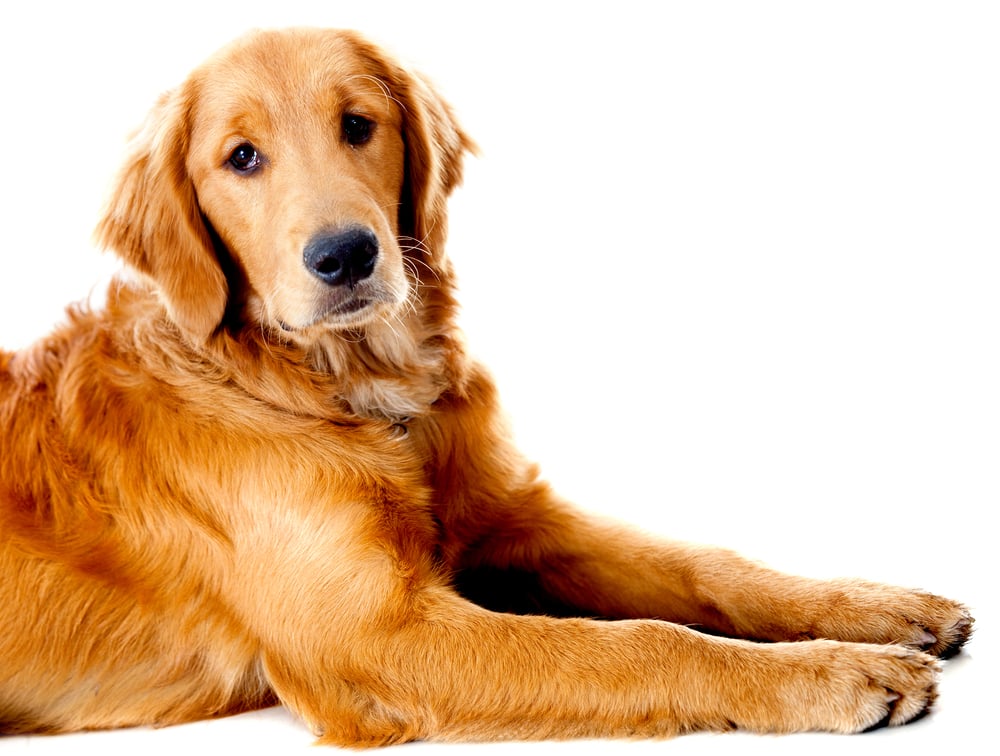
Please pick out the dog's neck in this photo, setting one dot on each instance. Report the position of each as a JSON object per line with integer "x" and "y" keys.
{"x": 383, "y": 372}
{"x": 387, "y": 372}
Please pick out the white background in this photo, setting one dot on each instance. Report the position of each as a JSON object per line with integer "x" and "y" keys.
{"x": 735, "y": 267}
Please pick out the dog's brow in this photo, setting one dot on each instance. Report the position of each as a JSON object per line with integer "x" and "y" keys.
{"x": 376, "y": 86}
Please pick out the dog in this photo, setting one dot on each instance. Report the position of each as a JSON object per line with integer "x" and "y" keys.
{"x": 266, "y": 471}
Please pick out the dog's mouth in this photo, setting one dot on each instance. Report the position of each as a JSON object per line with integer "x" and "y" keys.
{"x": 336, "y": 308}
{"x": 345, "y": 313}
{"x": 350, "y": 307}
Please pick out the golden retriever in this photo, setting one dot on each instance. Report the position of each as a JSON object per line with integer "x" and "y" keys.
{"x": 266, "y": 471}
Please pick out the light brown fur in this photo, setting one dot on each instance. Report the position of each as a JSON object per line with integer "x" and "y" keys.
{"x": 231, "y": 486}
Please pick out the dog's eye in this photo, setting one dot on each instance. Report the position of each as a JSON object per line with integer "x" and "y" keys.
{"x": 245, "y": 158}
{"x": 357, "y": 129}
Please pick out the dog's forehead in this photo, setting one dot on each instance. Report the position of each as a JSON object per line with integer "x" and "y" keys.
{"x": 294, "y": 71}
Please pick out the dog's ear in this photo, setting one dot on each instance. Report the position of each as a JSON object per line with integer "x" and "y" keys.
{"x": 153, "y": 222}
{"x": 435, "y": 148}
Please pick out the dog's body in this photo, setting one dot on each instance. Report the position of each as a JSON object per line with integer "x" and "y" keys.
{"x": 266, "y": 471}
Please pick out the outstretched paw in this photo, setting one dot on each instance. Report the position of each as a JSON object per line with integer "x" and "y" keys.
{"x": 852, "y": 687}
{"x": 872, "y": 613}
{"x": 948, "y": 638}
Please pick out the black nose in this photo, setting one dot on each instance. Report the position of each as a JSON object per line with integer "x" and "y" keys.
{"x": 343, "y": 258}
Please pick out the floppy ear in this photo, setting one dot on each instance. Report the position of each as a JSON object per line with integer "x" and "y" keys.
{"x": 154, "y": 224}
{"x": 435, "y": 147}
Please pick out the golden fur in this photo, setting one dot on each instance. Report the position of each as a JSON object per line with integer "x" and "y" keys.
{"x": 238, "y": 483}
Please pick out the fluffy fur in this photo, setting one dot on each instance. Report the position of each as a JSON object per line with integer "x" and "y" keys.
{"x": 239, "y": 484}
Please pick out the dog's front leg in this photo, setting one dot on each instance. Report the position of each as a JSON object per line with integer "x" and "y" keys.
{"x": 580, "y": 563}
{"x": 515, "y": 546}
{"x": 437, "y": 667}
{"x": 360, "y": 633}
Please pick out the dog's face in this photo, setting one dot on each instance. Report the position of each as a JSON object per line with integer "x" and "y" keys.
{"x": 281, "y": 179}
{"x": 297, "y": 159}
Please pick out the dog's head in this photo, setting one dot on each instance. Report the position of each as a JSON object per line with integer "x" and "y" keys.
{"x": 298, "y": 178}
